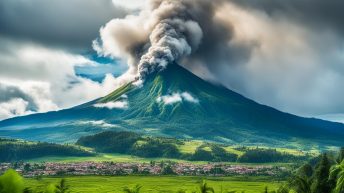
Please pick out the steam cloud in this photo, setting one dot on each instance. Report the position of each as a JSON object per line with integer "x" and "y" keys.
{"x": 164, "y": 32}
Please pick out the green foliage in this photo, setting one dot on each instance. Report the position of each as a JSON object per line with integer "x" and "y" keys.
{"x": 11, "y": 182}
{"x": 305, "y": 170}
{"x": 321, "y": 176}
{"x": 62, "y": 187}
{"x": 134, "y": 189}
{"x": 204, "y": 188}
{"x": 260, "y": 155}
{"x": 301, "y": 184}
{"x": 27, "y": 190}
{"x": 341, "y": 155}
{"x": 153, "y": 147}
{"x": 10, "y": 152}
{"x": 283, "y": 189}
{"x": 201, "y": 154}
{"x": 221, "y": 155}
{"x": 50, "y": 189}
{"x": 325, "y": 177}
{"x": 115, "y": 95}
{"x": 337, "y": 173}
{"x": 110, "y": 142}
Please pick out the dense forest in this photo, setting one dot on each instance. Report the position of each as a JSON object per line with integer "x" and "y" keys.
{"x": 13, "y": 150}
{"x": 151, "y": 147}
{"x": 260, "y": 155}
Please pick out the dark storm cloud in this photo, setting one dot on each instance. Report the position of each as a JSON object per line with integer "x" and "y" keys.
{"x": 9, "y": 92}
{"x": 72, "y": 24}
{"x": 317, "y": 13}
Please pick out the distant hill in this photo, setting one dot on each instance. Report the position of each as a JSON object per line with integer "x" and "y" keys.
{"x": 179, "y": 104}
{"x": 12, "y": 150}
{"x": 133, "y": 144}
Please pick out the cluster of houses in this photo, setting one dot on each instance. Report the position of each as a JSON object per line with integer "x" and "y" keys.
{"x": 152, "y": 168}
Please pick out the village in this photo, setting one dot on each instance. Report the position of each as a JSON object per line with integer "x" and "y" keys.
{"x": 152, "y": 168}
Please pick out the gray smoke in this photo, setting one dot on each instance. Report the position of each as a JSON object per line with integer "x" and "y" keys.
{"x": 168, "y": 31}
{"x": 171, "y": 39}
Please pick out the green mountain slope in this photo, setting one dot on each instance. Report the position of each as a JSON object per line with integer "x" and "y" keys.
{"x": 177, "y": 103}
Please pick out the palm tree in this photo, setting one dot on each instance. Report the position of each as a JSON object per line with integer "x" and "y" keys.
{"x": 283, "y": 189}
{"x": 135, "y": 189}
{"x": 27, "y": 190}
{"x": 204, "y": 188}
{"x": 62, "y": 187}
{"x": 337, "y": 172}
{"x": 301, "y": 184}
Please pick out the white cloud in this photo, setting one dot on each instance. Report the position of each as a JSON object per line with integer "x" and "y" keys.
{"x": 113, "y": 105}
{"x": 177, "y": 97}
{"x": 100, "y": 123}
{"x": 47, "y": 76}
{"x": 130, "y": 4}
{"x": 188, "y": 97}
{"x": 14, "y": 107}
{"x": 170, "y": 99}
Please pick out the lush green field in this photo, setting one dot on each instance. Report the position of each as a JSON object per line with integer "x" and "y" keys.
{"x": 132, "y": 159}
{"x": 156, "y": 183}
{"x": 106, "y": 157}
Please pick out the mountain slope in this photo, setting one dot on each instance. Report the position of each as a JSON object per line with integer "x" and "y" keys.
{"x": 177, "y": 103}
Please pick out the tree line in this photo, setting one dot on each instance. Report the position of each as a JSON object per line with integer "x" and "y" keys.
{"x": 11, "y": 151}
{"x": 152, "y": 147}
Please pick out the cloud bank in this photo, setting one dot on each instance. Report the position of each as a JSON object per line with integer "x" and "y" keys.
{"x": 177, "y": 97}
{"x": 113, "y": 105}
{"x": 42, "y": 43}
{"x": 69, "y": 24}
{"x": 34, "y": 78}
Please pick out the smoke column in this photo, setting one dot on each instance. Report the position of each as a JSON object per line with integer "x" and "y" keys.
{"x": 164, "y": 32}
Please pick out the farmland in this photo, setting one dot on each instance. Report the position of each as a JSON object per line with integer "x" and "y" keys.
{"x": 153, "y": 184}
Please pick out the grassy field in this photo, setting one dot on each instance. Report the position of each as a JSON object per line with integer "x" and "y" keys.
{"x": 190, "y": 146}
{"x": 132, "y": 159}
{"x": 155, "y": 184}
{"x": 108, "y": 158}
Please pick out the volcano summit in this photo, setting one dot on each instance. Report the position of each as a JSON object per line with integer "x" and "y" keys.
{"x": 176, "y": 103}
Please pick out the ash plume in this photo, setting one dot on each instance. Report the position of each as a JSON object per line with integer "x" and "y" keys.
{"x": 170, "y": 40}
{"x": 168, "y": 31}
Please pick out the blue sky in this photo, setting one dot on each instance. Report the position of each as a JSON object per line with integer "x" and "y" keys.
{"x": 105, "y": 66}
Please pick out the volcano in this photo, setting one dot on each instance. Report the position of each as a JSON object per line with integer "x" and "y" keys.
{"x": 176, "y": 103}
